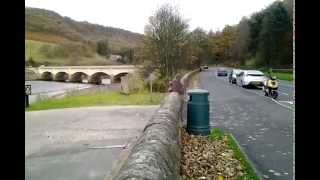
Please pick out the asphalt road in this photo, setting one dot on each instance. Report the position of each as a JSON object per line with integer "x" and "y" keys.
{"x": 263, "y": 127}
{"x": 69, "y": 144}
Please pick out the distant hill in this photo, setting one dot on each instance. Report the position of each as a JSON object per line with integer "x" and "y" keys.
{"x": 48, "y": 26}
{"x": 52, "y": 34}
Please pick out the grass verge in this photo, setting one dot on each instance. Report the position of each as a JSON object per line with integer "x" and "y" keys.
{"x": 98, "y": 99}
{"x": 283, "y": 76}
{"x": 217, "y": 134}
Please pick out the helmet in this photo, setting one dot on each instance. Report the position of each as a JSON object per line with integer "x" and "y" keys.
{"x": 273, "y": 77}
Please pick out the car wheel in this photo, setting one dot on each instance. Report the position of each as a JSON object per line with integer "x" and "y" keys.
{"x": 243, "y": 85}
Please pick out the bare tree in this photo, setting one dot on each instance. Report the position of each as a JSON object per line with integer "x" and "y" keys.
{"x": 166, "y": 36}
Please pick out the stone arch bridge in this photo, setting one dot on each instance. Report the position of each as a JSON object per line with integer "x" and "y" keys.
{"x": 91, "y": 74}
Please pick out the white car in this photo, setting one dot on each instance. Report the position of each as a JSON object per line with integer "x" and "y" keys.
{"x": 251, "y": 78}
{"x": 239, "y": 76}
{"x": 233, "y": 75}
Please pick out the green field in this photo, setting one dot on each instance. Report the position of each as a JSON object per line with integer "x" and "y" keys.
{"x": 98, "y": 99}
{"x": 238, "y": 154}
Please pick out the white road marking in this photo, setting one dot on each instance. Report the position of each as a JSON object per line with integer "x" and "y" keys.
{"x": 283, "y": 93}
{"x": 290, "y": 102}
{"x": 281, "y": 104}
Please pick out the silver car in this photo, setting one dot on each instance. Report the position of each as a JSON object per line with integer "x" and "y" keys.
{"x": 251, "y": 78}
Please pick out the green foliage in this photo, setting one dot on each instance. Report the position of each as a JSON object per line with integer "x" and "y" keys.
{"x": 271, "y": 35}
{"x": 127, "y": 55}
{"x": 160, "y": 85}
{"x": 103, "y": 48}
{"x": 275, "y": 24}
{"x": 31, "y": 62}
{"x": 240, "y": 49}
{"x": 201, "y": 47}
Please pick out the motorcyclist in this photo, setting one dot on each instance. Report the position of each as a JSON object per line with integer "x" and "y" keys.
{"x": 270, "y": 84}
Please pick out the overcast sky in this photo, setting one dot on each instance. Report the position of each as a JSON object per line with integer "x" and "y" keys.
{"x": 133, "y": 15}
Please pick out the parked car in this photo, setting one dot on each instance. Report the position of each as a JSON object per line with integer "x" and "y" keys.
{"x": 205, "y": 67}
{"x": 222, "y": 72}
{"x": 251, "y": 78}
{"x": 239, "y": 77}
{"x": 233, "y": 75}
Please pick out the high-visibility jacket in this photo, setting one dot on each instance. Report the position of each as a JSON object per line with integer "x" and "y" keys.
{"x": 272, "y": 83}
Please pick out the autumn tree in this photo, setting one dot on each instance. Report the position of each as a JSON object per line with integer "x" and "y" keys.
{"x": 165, "y": 39}
{"x": 223, "y": 43}
{"x": 201, "y": 46}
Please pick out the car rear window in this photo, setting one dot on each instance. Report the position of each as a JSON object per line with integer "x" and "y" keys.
{"x": 255, "y": 75}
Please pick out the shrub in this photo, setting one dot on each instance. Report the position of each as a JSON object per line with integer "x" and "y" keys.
{"x": 160, "y": 85}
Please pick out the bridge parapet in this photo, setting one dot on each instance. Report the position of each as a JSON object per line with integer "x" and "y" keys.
{"x": 90, "y": 71}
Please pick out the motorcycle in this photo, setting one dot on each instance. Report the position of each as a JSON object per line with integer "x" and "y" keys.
{"x": 273, "y": 93}
{"x": 272, "y": 89}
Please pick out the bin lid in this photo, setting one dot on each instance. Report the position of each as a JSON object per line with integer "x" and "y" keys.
{"x": 197, "y": 91}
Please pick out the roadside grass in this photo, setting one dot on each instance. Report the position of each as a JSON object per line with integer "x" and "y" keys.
{"x": 98, "y": 99}
{"x": 283, "y": 76}
{"x": 287, "y": 76}
{"x": 217, "y": 134}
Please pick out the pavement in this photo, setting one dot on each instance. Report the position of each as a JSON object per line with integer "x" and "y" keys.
{"x": 72, "y": 143}
{"x": 262, "y": 126}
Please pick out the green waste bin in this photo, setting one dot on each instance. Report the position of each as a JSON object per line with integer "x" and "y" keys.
{"x": 198, "y": 112}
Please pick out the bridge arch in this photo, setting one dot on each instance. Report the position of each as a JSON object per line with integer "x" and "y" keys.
{"x": 97, "y": 77}
{"x": 117, "y": 78}
{"x": 61, "y": 76}
{"x": 79, "y": 77}
{"x": 47, "y": 76}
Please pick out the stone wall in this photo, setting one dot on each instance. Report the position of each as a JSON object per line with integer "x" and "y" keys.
{"x": 155, "y": 155}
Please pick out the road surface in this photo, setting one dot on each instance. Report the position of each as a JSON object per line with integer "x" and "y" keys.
{"x": 263, "y": 127}
{"x": 69, "y": 143}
